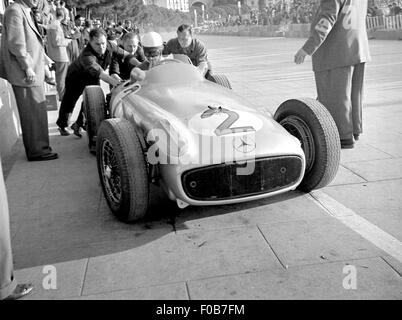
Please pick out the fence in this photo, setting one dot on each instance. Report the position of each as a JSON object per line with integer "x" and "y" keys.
{"x": 385, "y": 22}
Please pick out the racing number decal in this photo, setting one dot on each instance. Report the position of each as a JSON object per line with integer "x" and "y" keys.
{"x": 225, "y": 127}
{"x": 350, "y": 21}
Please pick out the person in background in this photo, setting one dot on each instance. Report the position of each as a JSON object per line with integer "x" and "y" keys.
{"x": 57, "y": 51}
{"x": 22, "y": 63}
{"x": 85, "y": 33}
{"x": 70, "y": 32}
{"x": 127, "y": 26}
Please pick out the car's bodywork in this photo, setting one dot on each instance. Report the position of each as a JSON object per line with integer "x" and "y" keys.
{"x": 219, "y": 149}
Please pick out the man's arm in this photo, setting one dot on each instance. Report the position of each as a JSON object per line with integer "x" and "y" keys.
{"x": 16, "y": 41}
{"x": 203, "y": 67}
{"x": 109, "y": 79}
{"x": 325, "y": 19}
{"x": 114, "y": 67}
{"x": 117, "y": 51}
{"x": 202, "y": 57}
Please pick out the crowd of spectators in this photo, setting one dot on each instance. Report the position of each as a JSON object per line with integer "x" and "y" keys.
{"x": 300, "y": 12}
{"x": 385, "y": 8}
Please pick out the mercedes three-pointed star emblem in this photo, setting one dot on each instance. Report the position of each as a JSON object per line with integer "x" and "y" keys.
{"x": 244, "y": 144}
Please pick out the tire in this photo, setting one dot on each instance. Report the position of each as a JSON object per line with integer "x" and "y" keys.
{"x": 95, "y": 111}
{"x": 220, "y": 79}
{"x": 122, "y": 169}
{"x": 313, "y": 125}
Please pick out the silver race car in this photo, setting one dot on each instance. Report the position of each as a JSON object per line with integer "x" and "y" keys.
{"x": 203, "y": 143}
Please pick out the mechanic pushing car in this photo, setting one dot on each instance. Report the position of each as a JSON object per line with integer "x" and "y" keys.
{"x": 88, "y": 69}
{"x": 186, "y": 44}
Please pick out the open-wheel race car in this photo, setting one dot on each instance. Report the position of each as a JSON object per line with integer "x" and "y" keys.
{"x": 203, "y": 143}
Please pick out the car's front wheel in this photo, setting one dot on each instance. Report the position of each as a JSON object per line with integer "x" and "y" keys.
{"x": 122, "y": 169}
{"x": 310, "y": 122}
{"x": 95, "y": 111}
{"x": 220, "y": 79}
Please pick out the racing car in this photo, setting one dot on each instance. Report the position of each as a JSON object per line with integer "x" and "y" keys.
{"x": 202, "y": 143}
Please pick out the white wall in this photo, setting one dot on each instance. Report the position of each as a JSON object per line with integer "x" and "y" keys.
{"x": 9, "y": 120}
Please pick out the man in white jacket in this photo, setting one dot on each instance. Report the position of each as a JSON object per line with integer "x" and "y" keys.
{"x": 57, "y": 51}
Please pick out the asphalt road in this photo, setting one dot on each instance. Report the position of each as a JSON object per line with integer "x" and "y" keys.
{"x": 291, "y": 246}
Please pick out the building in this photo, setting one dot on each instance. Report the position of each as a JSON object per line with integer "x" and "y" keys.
{"x": 181, "y": 5}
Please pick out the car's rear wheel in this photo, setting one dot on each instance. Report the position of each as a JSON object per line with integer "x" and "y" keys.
{"x": 95, "y": 111}
{"x": 122, "y": 169}
{"x": 310, "y": 122}
{"x": 220, "y": 79}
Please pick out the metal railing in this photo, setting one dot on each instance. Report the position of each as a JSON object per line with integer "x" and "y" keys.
{"x": 384, "y": 22}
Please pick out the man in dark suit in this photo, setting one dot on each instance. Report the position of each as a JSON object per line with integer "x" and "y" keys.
{"x": 22, "y": 63}
{"x": 339, "y": 48}
{"x": 9, "y": 289}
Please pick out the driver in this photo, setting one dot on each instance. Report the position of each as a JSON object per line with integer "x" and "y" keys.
{"x": 152, "y": 44}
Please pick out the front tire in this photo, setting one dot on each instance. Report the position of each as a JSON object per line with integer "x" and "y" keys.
{"x": 310, "y": 122}
{"x": 95, "y": 111}
{"x": 220, "y": 79}
{"x": 122, "y": 169}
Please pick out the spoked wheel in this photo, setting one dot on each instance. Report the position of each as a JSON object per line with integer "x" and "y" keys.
{"x": 310, "y": 122}
{"x": 110, "y": 172}
{"x": 122, "y": 169}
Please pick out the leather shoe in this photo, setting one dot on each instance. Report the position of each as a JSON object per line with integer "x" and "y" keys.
{"x": 356, "y": 136}
{"x": 92, "y": 149}
{"x": 45, "y": 157}
{"x": 76, "y": 129}
{"x": 20, "y": 291}
{"x": 63, "y": 132}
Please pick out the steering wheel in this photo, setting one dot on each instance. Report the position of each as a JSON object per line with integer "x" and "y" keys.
{"x": 169, "y": 61}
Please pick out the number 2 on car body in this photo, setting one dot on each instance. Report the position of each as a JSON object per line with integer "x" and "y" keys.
{"x": 225, "y": 127}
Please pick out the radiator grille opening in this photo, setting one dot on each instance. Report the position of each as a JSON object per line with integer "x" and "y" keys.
{"x": 221, "y": 182}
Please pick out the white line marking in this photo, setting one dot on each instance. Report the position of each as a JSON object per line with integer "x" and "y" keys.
{"x": 365, "y": 228}
{"x": 264, "y": 38}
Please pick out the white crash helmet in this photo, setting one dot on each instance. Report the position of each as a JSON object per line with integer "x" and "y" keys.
{"x": 152, "y": 43}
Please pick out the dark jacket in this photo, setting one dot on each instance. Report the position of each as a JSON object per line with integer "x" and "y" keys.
{"x": 338, "y": 36}
{"x": 89, "y": 65}
{"x": 123, "y": 67}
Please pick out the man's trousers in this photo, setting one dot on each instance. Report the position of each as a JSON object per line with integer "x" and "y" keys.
{"x": 74, "y": 88}
{"x": 7, "y": 280}
{"x": 31, "y": 104}
{"x": 340, "y": 90}
{"x": 61, "y": 73}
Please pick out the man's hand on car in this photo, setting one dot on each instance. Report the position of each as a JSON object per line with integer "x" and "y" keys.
{"x": 117, "y": 77}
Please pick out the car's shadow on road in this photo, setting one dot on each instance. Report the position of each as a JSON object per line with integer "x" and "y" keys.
{"x": 101, "y": 233}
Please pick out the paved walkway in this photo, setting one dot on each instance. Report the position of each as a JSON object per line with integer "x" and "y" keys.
{"x": 294, "y": 246}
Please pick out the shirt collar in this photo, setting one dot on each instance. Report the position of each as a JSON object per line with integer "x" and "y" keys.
{"x": 25, "y": 6}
